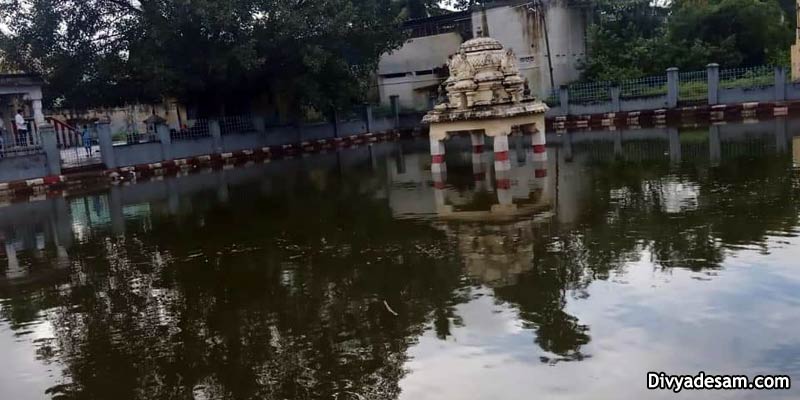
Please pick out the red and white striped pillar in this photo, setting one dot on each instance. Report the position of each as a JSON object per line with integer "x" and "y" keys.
{"x": 502, "y": 161}
{"x": 539, "y": 144}
{"x": 439, "y": 187}
{"x": 437, "y": 156}
{"x": 478, "y": 141}
{"x": 478, "y": 167}
{"x": 503, "y": 187}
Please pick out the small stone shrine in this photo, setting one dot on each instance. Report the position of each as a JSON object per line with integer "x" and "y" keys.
{"x": 485, "y": 96}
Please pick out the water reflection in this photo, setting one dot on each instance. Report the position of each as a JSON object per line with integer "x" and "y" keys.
{"x": 283, "y": 280}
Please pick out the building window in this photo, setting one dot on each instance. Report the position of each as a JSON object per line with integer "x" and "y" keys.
{"x": 392, "y": 76}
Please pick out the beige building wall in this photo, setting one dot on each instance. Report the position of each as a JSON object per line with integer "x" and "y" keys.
{"x": 518, "y": 26}
{"x": 130, "y": 119}
{"x": 408, "y": 71}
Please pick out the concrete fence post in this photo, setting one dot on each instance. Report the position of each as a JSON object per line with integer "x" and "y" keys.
{"x": 675, "y": 154}
{"x": 563, "y": 98}
{"x": 673, "y": 88}
{"x": 106, "y": 144}
{"x": 162, "y": 130}
{"x": 714, "y": 145}
{"x": 712, "y": 75}
{"x": 781, "y": 135}
{"x": 50, "y": 147}
{"x": 368, "y": 117}
{"x": 260, "y": 124}
{"x": 115, "y": 210}
{"x": 780, "y": 83}
{"x": 216, "y": 136}
{"x": 335, "y": 122}
{"x": 616, "y": 104}
{"x": 395, "y": 103}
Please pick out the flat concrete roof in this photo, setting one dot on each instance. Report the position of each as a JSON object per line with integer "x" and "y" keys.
{"x": 22, "y": 79}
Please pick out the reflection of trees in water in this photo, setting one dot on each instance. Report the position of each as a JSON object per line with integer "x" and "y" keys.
{"x": 288, "y": 306}
{"x": 540, "y": 294}
{"x": 512, "y": 259}
{"x": 735, "y": 204}
{"x": 627, "y": 213}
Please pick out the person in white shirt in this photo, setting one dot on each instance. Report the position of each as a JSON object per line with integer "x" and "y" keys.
{"x": 22, "y": 129}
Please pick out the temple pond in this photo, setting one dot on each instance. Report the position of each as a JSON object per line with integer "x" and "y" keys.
{"x": 353, "y": 275}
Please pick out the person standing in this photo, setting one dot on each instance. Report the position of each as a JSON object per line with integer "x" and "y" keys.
{"x": 22, "y": 129}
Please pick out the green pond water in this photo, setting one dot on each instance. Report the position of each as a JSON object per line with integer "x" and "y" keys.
{"x": 355, "y": 275}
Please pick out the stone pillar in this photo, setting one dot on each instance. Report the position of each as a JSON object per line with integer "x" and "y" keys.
{"x": 63, "y": 222}
{"x": 567, "y": 143}
{"x": 106, "y": 144}
{"x": 223, "y": 192}
{"x": 162, "y": 130}
{"x": 38, "y": 115}
{"x": 538, "y": 143}
{"x": 478, "y": 140}
{"x": 539, "y": 169}
{"x": 373, "y": 159}
{"x": 712, "y": 75}
{"x": 173, "y": 197}
{"x": 478, "y": 167}
{"x": 563, "y": 98}
{"x": 115, "y": 210}
{"x": 439, "y": 194}
{"x": 781, "y": 138}
{"x": 400, "y": 159}
{"x": 335, "y": 122}
{"x": 616, "y": 102}
{"x": 14, "y": 270}
{"x": 437, "y": 156}
{"x": 714, "y": 145}
{"x": 50, "y": 147}
{"x": 501, "y": 158}
{"x": 618, "y": 144}
{"x": 780, "y": 84}
{"x": 503, "y": 186}
{"x": 395, "y": 103}
{"x": 673, "y": 88}
{"x": 675, "y": 155}
{"x": 216, "y": 136}
{"x": 260, "y": 124}
{"x": 368, "y": 120}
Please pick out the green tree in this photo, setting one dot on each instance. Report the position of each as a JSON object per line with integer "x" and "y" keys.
{"x": 633, "y": 38}
{"x": 626, "y": 40}
{"x": 755, "y": 31}
{"x": 210, "y": 52}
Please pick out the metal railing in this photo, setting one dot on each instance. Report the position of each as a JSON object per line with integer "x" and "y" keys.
{"x": 198, "y": 128}
{"x": 750, "y": 77}
{"x": 136, "y": 137}
{"x": 592, "y": 92}
{"x": 693, "y": 86}
{"x": 236, "y": 124}
{"x": 18, "y": 143}
{"x": 644, "y": 87}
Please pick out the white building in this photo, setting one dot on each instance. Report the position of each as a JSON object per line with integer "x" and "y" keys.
{"x": 20, "y": 91}
{"x": 546, "y": 35}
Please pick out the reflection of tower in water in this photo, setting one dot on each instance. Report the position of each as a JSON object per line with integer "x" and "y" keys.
{"x": 496, "y": 240}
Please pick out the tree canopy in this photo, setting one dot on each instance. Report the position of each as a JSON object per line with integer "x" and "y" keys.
{"x": 633, "y": 38}
{"x": 212, "y": 52}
